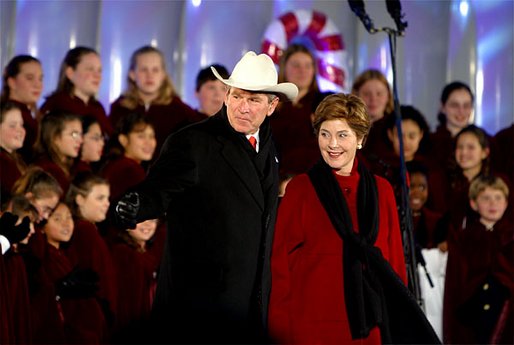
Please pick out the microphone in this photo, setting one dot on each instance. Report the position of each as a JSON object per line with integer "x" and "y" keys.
{"x": 394, "y": 8}
{"x": 357, "y": 7}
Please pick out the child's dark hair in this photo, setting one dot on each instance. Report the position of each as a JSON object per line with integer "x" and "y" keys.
{"x": 408, "y": 112}
{"x": 132, "y": 122}
{"x": 206, "y": 75}
{"x": 445, "y": 94}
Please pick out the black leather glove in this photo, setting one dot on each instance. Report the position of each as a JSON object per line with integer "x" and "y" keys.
{"x": 79, "y": 283}
{"x": 14, "y": 233}
{"x": 126, "y": 211}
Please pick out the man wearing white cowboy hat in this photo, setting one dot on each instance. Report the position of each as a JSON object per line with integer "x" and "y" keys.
{"x": 217, "y": 182}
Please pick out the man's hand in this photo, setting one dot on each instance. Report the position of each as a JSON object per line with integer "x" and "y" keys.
{"x": 126, "y": 211}
{"x": 14, "y": 233}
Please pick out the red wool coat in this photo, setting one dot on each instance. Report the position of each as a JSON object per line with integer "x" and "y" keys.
{"x": 307, "y": 302}
{"x": 53, "y": 169}
{"x": 122, "y": 173}
{"x": 9, "y": 173}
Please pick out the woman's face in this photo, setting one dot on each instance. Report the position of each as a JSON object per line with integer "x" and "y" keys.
{"x": 458, "y": 108}
{"x": 299, "y": 70}
{"x": 338, "y": 145}
{"x": 93, "y": 144}
{"x": 86, "y": 76}
{"x": 149, "y": 74}
{"x": 143, "y": 231}
{"x": 418, "y": 191}
{"x": 94, "y": 206}
{"x": 69, "y": 141}
{"x": 59, "y": 227}
{"x": 27, "y": 85}
{"x": 411, "y": 134}
{"x": 12, "y": 132}
{"x": 376, "y": 96}
{"x": 139, "y": 145}
{"x": 468, "y": 152}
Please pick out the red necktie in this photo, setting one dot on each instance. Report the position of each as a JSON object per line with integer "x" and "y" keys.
{"x": 253, "y": 142}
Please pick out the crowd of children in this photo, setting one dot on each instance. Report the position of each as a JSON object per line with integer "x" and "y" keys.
{"x": 76, "y": 277}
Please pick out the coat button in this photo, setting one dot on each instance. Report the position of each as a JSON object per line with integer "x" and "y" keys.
{"x": 487, "y": 307}
{"x": 485, "y": 286}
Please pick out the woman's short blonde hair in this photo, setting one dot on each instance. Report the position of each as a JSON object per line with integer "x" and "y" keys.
{"x": 347, "y": 107}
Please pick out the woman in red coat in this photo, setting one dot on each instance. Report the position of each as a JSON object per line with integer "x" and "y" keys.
{"x": 151, "y": 92}
{"x": 319, "y": 259}
{"x": 23, "y": 84}
{"x": 79, "y": 81}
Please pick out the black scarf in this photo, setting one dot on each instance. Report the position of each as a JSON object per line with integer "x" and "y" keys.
{"x": 374, "y": 294}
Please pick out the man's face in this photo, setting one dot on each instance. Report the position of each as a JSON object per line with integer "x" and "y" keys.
{"x": 247, "y": 110}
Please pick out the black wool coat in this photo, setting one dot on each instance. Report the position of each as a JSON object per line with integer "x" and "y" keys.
{"x": 220, "y": 200}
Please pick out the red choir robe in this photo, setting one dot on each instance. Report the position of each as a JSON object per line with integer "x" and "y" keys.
{"x": 294, "y": 136}
{"x": 307, "y": 303}
{"x": 425, "y": 225}
{"x": 166, "y": 118}
{"x": 90, "y": 251}
{"x": 479, "y": 261}
{"x": 18, "y": 295}
{"x": 63, "y": 319}
{"x": 56, "y": 171}
{"x": 9, "y": 174}
{"x": 136, "y": 272}
{"x": 62, "y": 101}
{"x": 122, "y": 173}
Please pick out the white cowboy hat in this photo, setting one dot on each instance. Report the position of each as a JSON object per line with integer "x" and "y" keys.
{"x": 257, "y": 73}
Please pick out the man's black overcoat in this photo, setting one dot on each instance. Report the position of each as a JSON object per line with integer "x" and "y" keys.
{"x": 220, "y": 200}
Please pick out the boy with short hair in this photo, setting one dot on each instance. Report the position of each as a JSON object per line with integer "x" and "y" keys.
{"x": 479, "y": 276}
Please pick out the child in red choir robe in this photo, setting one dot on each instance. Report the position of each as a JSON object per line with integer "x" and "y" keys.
{"x": 415, "y": 148}
{"x": 132, "y": 144}
{"x": 151, "y": 92}
{"x": 79, "y": 81}
{"x": 58, "y": 145}
{"x": 22, "y": 84}
{"x": 17, "y": 286}
{"x": 373, "y": 88}
{"x": 12, "y": 136}
{"x": 88, "y": 199}
{"x": 292, "y": 122}
{"x": 456, "y": 106}
{"x": 480, "y": 273}
{"x": 424, "y": 219}
{"x": 64, "y": 308}
{"x": 136, "y": 271}
{"x": 210, "y": 92}
{"x": 93, "y": 142}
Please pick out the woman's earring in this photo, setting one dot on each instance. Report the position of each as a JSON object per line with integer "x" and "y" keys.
{"x": 359, "y": 146}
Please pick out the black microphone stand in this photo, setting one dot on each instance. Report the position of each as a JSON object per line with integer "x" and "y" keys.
{"x": 405, "y": 212}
